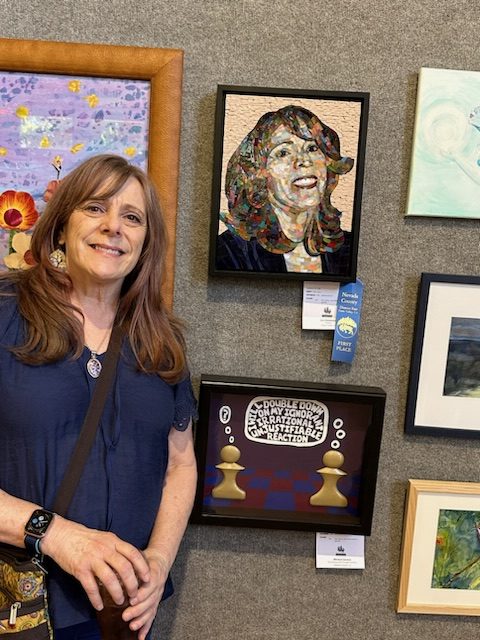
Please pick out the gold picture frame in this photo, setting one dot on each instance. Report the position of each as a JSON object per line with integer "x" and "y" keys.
{"x": 440, "y": 563}
{"x": 163, "y": 68}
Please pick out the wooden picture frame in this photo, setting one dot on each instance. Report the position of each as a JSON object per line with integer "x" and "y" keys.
{"x": 440, "y": 564}
{"x": 443, "y": 396}
{"x": 162, "y": 68}
{"x": 302, "y": 455}
{"x": 254, "y": 202}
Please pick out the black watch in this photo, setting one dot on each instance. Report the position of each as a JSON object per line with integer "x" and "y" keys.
{"x": 35, "y": 529}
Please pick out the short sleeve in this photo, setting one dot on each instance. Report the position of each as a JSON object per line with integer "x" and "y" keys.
{"x": 185, "y": 404}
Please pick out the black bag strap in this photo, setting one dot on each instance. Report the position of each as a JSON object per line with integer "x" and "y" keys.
{"x": 86, "y": 438}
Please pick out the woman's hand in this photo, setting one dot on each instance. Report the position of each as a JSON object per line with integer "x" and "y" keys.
{"x": 90, "y": 555}
{"x": 143, "y": 607}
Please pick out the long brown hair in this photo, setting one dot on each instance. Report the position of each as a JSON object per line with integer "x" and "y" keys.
{"x": 53, "y": 329}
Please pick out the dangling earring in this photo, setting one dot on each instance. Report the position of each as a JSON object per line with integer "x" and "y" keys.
{"x": 58, "y": 259}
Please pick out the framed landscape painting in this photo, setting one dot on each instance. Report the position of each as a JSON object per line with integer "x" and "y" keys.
{"x": 444, "y": 386}
{"x": 61, "y": 103}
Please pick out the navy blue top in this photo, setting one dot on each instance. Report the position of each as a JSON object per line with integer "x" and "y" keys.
{"x": 42, "y": 409}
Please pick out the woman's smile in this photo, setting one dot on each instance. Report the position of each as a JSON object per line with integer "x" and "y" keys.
{"x": 107, "y": 250}
{"x": 307, "y": 182}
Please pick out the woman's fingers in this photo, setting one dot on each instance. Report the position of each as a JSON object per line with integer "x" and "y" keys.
{"x": 141, "y": 614}
{"x": 135, "y": 559}
{"x": 92, "y": 555}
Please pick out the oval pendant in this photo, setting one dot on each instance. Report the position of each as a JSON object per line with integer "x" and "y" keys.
{"x": 94, "y": 367}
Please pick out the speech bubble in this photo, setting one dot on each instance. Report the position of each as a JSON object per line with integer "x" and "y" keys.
{"x": 286, "y": 421}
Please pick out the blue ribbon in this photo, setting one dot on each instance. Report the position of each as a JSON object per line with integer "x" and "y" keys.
{"x": 347, "y": 321}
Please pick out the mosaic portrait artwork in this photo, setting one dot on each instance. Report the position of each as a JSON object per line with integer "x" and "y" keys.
{"x": 48, "y": 125}
{"x": 287, "y": 183}
{"x": 445, "y": 165}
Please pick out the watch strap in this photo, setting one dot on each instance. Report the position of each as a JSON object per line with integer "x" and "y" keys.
{"x": 32, "y": 545}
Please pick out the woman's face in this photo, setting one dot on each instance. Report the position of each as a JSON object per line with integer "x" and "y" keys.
{"x": 297, "y": 172}
{"x": 104, "y": 238}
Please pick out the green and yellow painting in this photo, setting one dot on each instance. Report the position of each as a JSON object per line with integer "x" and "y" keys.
{"x": 457, "y": 551}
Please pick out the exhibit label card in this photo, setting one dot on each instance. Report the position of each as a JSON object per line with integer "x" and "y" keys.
{"x": 319, "y": 305}
{"x": 335, "y": 551}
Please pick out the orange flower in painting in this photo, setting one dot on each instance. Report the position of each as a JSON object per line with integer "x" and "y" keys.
{"x": 52, "y": 186}
{"x": 17, "y": 210}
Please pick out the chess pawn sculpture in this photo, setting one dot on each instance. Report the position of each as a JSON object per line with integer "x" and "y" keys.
{"x": 329, "y": 495}
{"x": 228, "y": 487}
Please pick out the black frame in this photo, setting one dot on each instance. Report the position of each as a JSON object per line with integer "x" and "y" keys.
{"x": 419, "y": 350}
{"x": 364, "y": 405}
{"x": 217, "y": 186}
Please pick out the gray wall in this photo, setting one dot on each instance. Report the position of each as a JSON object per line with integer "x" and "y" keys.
{"x": 260, "y": 584}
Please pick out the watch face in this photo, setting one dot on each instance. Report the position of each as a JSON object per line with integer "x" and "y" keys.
{"x": 38, "y": 523}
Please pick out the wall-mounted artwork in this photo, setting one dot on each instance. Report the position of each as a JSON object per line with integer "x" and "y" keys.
{"x": 61, "y": 103}
{"x": 440, "y": 566}
{"x": 287, "y": 455}
{"x": 287, "y": 185}
{"x": 445, "y": 165}
{"x": 444, "y": 388}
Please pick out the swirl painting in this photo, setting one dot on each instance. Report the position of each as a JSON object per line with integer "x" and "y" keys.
{"x": 445, "y": 166}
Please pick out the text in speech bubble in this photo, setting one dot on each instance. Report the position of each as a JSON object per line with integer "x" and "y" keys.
{"x": 286, "y": 421}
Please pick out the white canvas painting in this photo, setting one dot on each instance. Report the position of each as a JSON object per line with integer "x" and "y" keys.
{"x": 445, "y": 167}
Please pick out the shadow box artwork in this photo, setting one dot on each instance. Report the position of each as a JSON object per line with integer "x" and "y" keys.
{"x": 287, "y": 183}
{"x": 287, "y": 455}
{"x": 61, "y": 103}
{"x": 445, "y": 165}
{"x": 440, "y": 565}
{"x": 444, "y": 386}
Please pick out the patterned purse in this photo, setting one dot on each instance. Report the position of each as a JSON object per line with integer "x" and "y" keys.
{"x": 23, "y": 597}
{"x": 23, "y": 590}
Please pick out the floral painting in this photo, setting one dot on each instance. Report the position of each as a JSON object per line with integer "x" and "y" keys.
{"x": 48, "y": 125}
{"x": 457, "y": 550}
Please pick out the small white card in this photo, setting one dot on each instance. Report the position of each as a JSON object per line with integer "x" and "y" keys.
{"x": 319, "y": 305}
{"x": 334, "y": 551}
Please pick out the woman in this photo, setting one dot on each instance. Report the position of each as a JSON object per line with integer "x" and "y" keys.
{"x": 279, "y": 183}
{"x": 131, "y": 507}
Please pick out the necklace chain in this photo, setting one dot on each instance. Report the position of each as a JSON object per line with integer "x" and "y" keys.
{"x": 94, "y": 366}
